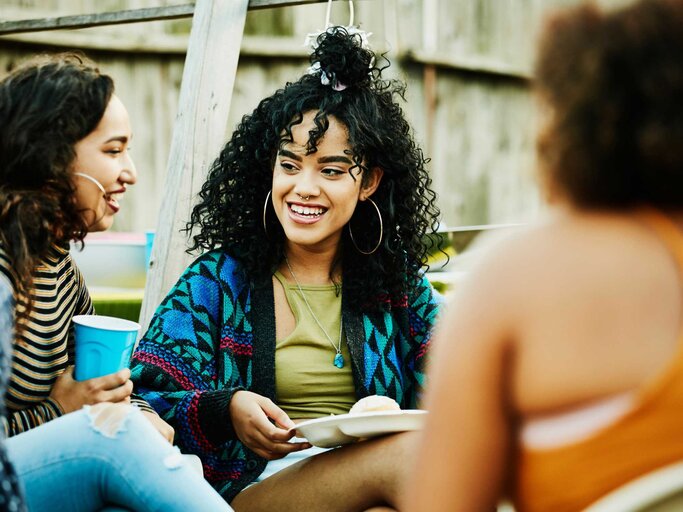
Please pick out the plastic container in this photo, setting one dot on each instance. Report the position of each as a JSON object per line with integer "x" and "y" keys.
{"x": 104, "y": 345}
{"x": 112, "y": 260}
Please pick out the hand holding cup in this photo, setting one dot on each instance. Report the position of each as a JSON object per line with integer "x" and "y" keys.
{"x": 72, "y": 394}
{"x": 104, "y": 345}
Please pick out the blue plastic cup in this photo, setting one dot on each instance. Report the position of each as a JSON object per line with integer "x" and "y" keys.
{"x": 104, "y": 345}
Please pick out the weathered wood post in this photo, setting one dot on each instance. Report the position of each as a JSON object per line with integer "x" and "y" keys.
{"x": 198, "y": 134}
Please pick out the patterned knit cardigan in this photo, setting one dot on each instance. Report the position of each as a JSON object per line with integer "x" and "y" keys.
{"x": 214, "y": 335}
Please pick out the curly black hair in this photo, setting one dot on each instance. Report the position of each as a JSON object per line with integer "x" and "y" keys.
{"x": 343, "y": 82}
{"x": 614, "y": 82}
{"x": 47, "y": 105}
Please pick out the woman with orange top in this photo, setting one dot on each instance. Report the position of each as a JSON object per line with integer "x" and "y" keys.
{"x": 558, "y": 368}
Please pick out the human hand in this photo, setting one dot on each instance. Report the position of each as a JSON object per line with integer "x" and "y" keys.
{"x": 164, "y": 428}
{"x": 252, "y": 416}
{"x": 72, "y": 394}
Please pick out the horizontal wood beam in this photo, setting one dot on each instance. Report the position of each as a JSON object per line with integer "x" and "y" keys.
{"x": 128, "y": 16}
{"x": 155, "y": 44}
{"x": 257, "y": 47}
{"x": 95, "y": 20}
{"x": 476, "y": 65}
{"x": 268, "y": 4}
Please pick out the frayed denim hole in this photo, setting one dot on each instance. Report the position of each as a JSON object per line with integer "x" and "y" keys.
{"x": 108, "y": 419}
{"x": 174, "y": 460}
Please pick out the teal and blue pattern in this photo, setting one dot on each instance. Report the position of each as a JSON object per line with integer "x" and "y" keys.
{"x": 214, "y": 334}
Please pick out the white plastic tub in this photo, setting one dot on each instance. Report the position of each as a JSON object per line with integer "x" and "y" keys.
{"x": 112, "y": 260}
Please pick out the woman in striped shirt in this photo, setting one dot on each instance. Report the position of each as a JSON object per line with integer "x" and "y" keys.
{"x": 64, "y": 163}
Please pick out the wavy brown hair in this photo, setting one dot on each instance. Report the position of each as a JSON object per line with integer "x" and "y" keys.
{"x": 47, "y": 105}
{"x": 614, "y": 82}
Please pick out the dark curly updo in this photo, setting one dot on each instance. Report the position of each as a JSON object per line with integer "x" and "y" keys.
{"x": 342, "y": 58}
{"x": 343, "y": 82}
{"x": 614, "y": 84}
{"x": 46, "y": 106}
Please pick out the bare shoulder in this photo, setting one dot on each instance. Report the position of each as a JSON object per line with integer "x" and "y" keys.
{"x": 518, "y": 262}
{"x": 579, "y": 296}
{"x": 581, "y": 250}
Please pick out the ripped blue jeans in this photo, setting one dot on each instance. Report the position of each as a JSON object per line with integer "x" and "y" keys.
{"x": 107, "y": 455}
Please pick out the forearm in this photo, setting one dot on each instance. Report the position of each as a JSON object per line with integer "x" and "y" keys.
{"x": 201, "y": 418}
{"x": 25, "y": 419}
{"x": 183, "y": 397}
{"x": 174, "y": 367}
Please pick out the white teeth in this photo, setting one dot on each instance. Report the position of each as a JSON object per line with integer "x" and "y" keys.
{"x": 306, "y": 210}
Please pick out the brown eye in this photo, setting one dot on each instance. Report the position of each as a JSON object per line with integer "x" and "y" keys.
{"x": 288, "y": 167}
{"x": 332, "y": 172}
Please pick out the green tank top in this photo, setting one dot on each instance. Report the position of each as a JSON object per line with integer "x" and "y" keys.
{"x": 307, "y": 384}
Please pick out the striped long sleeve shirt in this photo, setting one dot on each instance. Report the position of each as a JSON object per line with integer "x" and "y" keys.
{"x": 46, "y": 345}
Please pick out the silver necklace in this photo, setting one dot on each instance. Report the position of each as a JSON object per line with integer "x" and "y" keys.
{"x": 338, "y": 358}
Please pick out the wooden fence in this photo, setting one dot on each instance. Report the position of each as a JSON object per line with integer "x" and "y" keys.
{"x": 467, "y": 64}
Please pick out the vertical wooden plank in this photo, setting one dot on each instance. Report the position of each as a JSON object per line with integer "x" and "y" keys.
{"x": 198, "y": 134}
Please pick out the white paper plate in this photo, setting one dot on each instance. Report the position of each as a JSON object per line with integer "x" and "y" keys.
{"x": 347, "y": 428}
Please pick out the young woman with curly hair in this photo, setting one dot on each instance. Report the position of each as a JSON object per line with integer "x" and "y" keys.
{"x": 558, "y": 372}
{"x": 309, "y": 295}
{"x": 75, "y": 445}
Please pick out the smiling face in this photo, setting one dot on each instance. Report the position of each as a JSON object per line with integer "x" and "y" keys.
{"x": 314, "y": 195}
{"x": 103, "y": 156}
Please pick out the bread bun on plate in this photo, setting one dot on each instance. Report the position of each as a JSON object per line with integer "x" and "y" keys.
{"x": 374, "y": 403}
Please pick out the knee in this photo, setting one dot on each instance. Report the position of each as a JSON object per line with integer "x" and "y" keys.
{"x": 108, "y": 418}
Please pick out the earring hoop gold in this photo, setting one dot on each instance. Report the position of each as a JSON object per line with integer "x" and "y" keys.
{"x": 265, "y": 209}
{"x": 381, "y": 232}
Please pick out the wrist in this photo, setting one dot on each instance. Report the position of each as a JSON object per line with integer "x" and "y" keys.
{"x": 62, "y": 406}
{"x": 215, "y": 415}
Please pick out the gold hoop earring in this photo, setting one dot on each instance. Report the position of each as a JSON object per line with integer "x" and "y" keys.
{"x": 381, "y": 232}
{"x": 265, "y": 209}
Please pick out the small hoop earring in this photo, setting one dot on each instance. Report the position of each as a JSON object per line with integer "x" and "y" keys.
{"x": 381, "y": 232}
{"x": 265, "y": 209}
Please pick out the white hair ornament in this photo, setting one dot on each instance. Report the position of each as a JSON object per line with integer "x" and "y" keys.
{"x": 311, "y": 40}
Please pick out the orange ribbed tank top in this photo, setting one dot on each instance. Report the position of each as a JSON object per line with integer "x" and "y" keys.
{"x": 649, "y": 436}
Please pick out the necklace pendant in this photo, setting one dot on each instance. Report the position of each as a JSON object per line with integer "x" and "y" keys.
{"x": 339, "y": 361}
